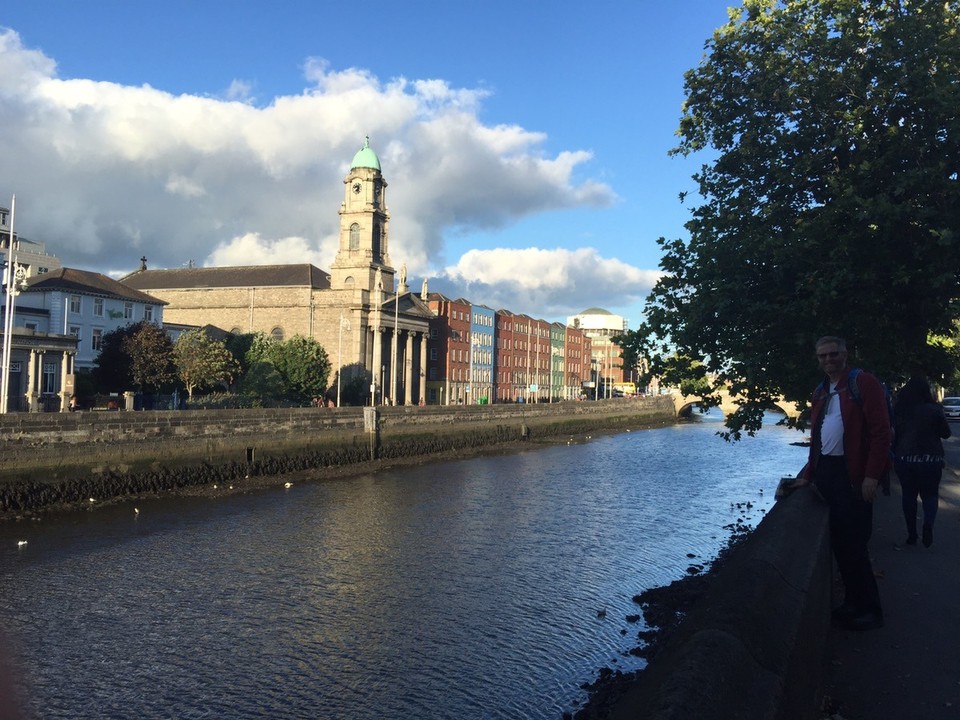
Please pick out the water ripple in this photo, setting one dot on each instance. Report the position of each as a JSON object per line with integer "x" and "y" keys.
{"x": 490, "y": 588}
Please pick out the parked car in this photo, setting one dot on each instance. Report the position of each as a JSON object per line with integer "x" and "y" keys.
{"x": 951, "y": 408}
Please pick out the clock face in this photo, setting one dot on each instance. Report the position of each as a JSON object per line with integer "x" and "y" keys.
{"x": 357, "y": 187}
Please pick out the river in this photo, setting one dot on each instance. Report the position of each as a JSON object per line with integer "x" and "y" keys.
{"x": 485, "y": 588}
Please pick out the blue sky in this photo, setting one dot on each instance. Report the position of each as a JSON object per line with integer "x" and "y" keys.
{"x": 525, "y": 143}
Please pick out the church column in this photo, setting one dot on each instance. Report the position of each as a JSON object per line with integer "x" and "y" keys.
{"x": 408, "y": 371}
{"x": 423, "y": 369}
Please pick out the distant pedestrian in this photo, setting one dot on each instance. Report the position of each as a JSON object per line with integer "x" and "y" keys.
{"x": 849, "y": 453}
{"x": 919, "y": 426}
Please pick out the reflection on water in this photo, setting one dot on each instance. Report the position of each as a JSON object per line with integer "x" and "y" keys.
{"x": 466, "y": 589}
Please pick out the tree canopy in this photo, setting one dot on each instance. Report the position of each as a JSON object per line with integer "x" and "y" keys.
{"x": 202, "y": 361}
{"x": 296, "y": 369}
{"x": 138, "y": 355}
{"x": 831, "y": 204}
{"x": 150, "y": 353}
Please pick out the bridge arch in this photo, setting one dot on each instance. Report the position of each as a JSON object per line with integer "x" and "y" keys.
{"x": 683, "y": 405}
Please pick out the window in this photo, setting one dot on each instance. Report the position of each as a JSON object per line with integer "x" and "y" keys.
{"x": 49, "y": 381}
{"x": 98, "y": 307}
{"x": 75, "y": 331}
{"x": 277, "y": 334}
{"x": 148, "y": 313}
{"x": 42, "y": 270}
{"x": 30, "y": 326}
{"x": 355, "y": 237}
{"x": 96, "y": 339}
{"x": 128, "y": 311}
{"x": 433, "y": 353}
{"x": 75, "y": 304}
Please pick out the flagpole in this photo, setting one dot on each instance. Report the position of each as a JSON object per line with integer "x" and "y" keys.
{"x": 9, "y": 277}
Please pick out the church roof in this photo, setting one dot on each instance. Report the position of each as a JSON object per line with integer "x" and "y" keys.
{"x": 366, "y": 157}
{"x": 301, "y": 275}
{"x": 88, "y": 282}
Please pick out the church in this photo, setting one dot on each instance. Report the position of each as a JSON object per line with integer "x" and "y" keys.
{"x": 362, "y": 312}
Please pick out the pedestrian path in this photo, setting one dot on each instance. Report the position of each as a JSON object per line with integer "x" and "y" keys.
{"x": 910, "y": 668}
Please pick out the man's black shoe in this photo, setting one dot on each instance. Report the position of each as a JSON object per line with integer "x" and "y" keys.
{"x": 865, "y": 621}
{"x": 927, "y": 535}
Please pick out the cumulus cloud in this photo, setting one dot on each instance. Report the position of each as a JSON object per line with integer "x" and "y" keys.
{"x": 251, "y": 249}
{"x": 557, "y": 282}
{"x": 104, "y": 173}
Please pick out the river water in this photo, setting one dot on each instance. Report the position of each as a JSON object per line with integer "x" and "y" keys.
{"x": 469, "y": 589}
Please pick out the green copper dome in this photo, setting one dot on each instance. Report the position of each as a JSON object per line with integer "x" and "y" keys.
{"x": 365, "y": 157}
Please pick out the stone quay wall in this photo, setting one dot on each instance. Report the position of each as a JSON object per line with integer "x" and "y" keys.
{"x": 62, "y": 458}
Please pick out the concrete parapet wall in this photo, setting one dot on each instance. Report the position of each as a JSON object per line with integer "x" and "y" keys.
{"x": 58, "y": 445}
{"x": 753, "y": 647}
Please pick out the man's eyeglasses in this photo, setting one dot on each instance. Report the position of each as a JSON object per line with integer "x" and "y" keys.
{"x": 833, "y": 355}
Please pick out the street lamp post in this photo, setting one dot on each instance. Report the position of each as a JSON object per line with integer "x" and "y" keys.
{"x": 11, "y": 278}
{"x": 396, "y": 343}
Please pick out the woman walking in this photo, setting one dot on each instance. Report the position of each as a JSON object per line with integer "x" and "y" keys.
{"x": 919, "y": 426}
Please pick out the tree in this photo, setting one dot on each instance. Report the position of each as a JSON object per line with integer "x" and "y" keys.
{"x": 151, "y": 355}
{"x": 303, "y": 364}
{"x": 202, "y": 361}
{"x": 832, "y": 205}
{"x": 111, "y": 369}
{"x": 293, "y": 370}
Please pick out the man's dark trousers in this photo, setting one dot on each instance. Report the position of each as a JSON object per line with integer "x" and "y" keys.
{"x": 851, "y": 523}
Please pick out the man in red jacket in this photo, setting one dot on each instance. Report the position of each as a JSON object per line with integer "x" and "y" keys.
{"x": 849, "y": 453}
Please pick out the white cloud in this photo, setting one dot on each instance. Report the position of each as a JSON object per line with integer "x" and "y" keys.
{"x": 558, "y": 282}
{"x": 104, "y": 173}
{"x": 180, "y": 185}
{"x": 251, "y": 249}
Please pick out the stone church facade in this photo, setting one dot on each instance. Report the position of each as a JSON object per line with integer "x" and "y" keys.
{"x": 370, "y": 326}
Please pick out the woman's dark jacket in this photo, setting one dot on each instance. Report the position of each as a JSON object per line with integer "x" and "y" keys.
{"x": 918, "y": 433}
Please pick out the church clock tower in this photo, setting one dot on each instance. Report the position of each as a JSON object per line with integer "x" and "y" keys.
{"x": 364, "y": 223}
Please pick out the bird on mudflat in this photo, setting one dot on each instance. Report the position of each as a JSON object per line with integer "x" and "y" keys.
{"x": 21, "y": 543}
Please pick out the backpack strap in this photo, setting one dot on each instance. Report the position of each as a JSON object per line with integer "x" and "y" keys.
{"x": 853, "y": 386}
{"x": 820, "y": 391}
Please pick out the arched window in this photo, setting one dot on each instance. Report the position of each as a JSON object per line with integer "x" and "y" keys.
{"x": 349, "y": 282}
{"x": 277, "y": 334}
{"x": 355, "y": 237}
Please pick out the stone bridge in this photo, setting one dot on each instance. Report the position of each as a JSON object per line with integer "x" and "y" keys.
{"x": 683, "y": 404}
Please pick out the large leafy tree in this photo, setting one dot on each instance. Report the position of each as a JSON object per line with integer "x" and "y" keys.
{"x": 202, "y": 361}
{"x": 831, "y": 204}
{"x": 304, "y": 366}
{"x": 111, "y": 369}
{"x": 296, "y": 369}
{"x": 150, "y": 352}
